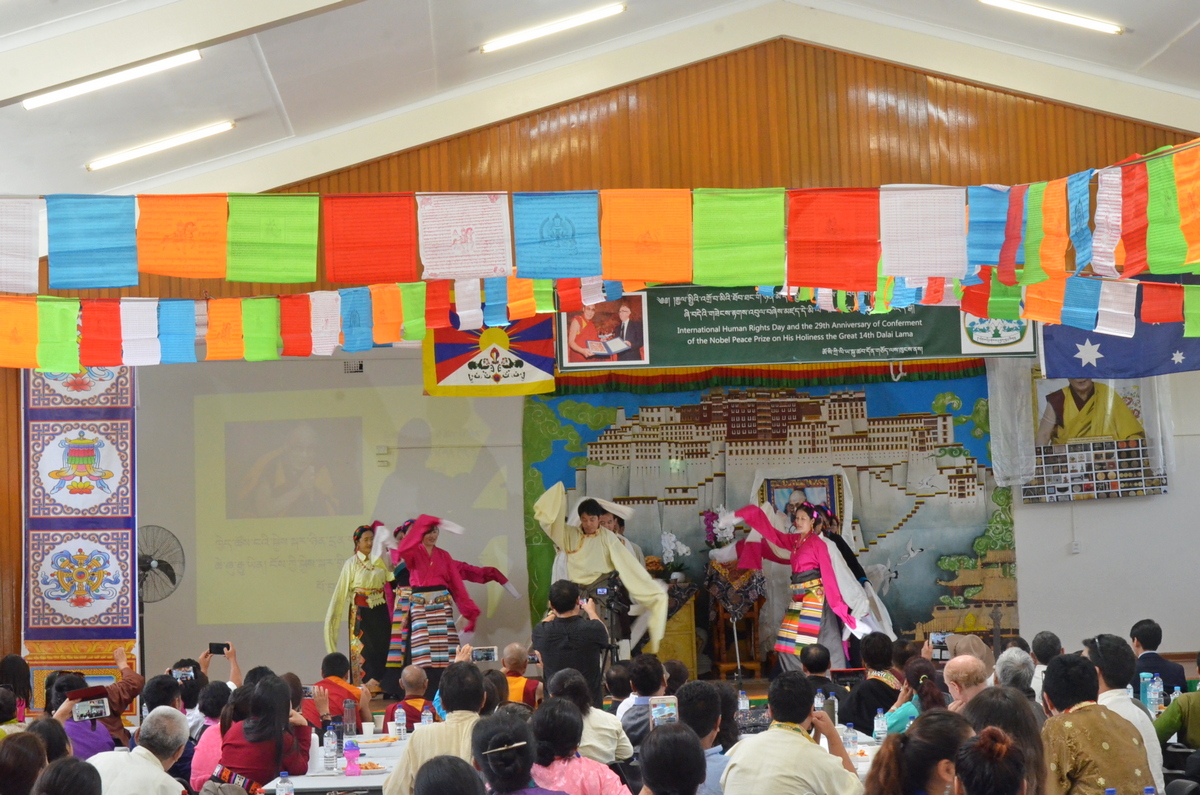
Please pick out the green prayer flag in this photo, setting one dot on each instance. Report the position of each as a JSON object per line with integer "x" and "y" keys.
{"x": 1166, "y": 246}
{"x": 58, "y": 335}
{"x": 958, "y": 289}
{"x": 412, "y": 300}
{"x": 1004, "y": 303}
{"x": 883, "y": 291}
{"x": 1034, "y": 234}
{"x": 1191, "y": 312}
{"x": 804, "y": 293}
{"x": 260, "y": 328}
{"x": 738, "y": 237}
{"x": 543, "y": 295}
{"x": 843, "y": 302}
{"x": 273, "y": 237}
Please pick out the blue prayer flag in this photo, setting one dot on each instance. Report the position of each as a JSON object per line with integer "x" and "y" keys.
{"x": 557, "y": 234}
{"x": 177, "y": 331}
{"x": 495, "y": 307}
{"x": 613, "y": 290}
{"x": 1079, "y": 207}
{"x": 903, "y": 295}
{"x": 1081, "y": 302}
{"x": 356, "y": 319}
{"x": 92, "y": 241}
{"x": 985, "y": 228}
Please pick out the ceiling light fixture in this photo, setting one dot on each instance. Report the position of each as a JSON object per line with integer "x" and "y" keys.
{"x": 553, "y": 27}
{"x": 158, "y": 146}
{"x": 111, "y": 80}
{"x": 1056, "y": 16}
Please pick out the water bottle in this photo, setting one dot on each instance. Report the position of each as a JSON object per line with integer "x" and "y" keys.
{"x": 329, "y": 751}
{"x": 880, "y": 730}
{"x": 911, "y": 721}
{"x": 339, "y": 730}
{"x": 1151, "y": 790}
{"x": 743, "y": 701}
{"x": 350, "y": 716}
{"x": 819, "y": 700}
{"x": 427, "y": 715}
{"x": 1129, "y": 690}
{"x": 1156, "y": 695}
{"x": 285, "y": 785}
{"x": 850, "y": 740}
{"x": 352, "y": 768}
{"x": 1145, "y": 679}
{"x": 1175, "y": 694}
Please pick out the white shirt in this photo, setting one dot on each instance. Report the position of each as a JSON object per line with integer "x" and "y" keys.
{"x": 604, "y": 739}
{"x": 195, "y": 721}
{"x": 1039, "y": 673}
{"x": 452, "y": 737}
{"x": 782, "y": 762}
{"x": 629, "y": 702}
{"x": 123, "y": 772}
{"x": 1120, "y": 702}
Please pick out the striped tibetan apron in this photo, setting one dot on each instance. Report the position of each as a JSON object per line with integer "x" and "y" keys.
{"x": 432, "y": 631}
{"x": 801, "y": 624}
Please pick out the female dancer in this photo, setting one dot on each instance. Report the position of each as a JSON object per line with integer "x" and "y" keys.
{"x": 362, "y": 580}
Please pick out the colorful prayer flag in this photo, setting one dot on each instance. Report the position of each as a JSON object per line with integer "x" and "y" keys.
{"x": 1118, "y": 305}
{"x": 1044, "y": 301}
{"x": 18, "y": 332}
{"x": 19, "y": 226}
{"x": 1012, "y": 253}
{"x": 468, "y": 303}
{"x": 1166, "y": 247}
{"x": 521, "y": 301}
{"x": 295, "y": 324}
{"x": 1108, "y": 222}
{"x": 517, "y": 360}
{"x": 1056, "y": 228}
{"x": 923, "y": 231}
{"x": 437, "y": 304}
{"x": 412, "y": 299}
{"x": 356, "y": 319}
{"x": 570, "y": 298}
{"x": 543, "y": 295}
{"x": 1191, "y": 311}
{"x": 370, "y": 238}
{"x": 326, "y": 310}
{"x": 1034, "y": 235}
{"x": 464, "y": 235}
{"x": 100, "y": 333}
{"x": 738, "y": 237}
{"x": 495, "y": 307}
{"x": 1134, "y": 181}
{"x": 183, "y": 236}
{"x": 177, "y": 331}
{"x": 387, "y": 314}
{"x": 260, "y": 328}
{"x": 58, "y": 334}
{"x": 224, "y": 337}
{"x": 987, "y": 215}
{"x": 1004, "y": 301}
{"x": 1162, "y": 303}
{"x": 1081, "y": 302}
{"x": 646, "y": 235}
{"x": 1187, "y": 185}
{"x": 833, "y": 238}
{"x": 1078, "y": 210}
{"x": 557, "y": 234}
{"x": 92, "y": 241}
{"x": 139, "y": 332}
{"x": 272, "y": 237}
{"x": 591, "y": 290}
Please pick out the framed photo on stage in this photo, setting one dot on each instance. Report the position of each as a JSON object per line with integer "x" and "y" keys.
{"x": 786, "y": 493}
{"x": 607, "y": 335}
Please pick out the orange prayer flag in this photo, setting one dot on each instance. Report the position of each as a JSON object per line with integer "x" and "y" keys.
{"x": 646, "y": 235}
{"x": 1055, "y": 230}
{"x": 521, "y": 303}
{"x": 1044, "y": 300}
{"x": 387, "y": 313}
{"x": 1187, "y": 187}
{"x": 18, "y": 331}
{"x": 183, "y": 235}
{"x": 628, "y": 286}
{"x": 224, "y": 336}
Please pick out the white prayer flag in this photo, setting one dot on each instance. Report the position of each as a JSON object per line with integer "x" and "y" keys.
{"x": 1117, "y": 302}
{"x": 464, "y": 235}
{"x": 1108, "y": 223}
{"x": 467, "y": 303}
{"x": 19, "y": 219}
{"x": 923, "y": 231}
{"x": 825, "y": 300}
{"x": 325, "y": 308}
{"x": 139, "y": 332}
{"x": 591, "y": 290}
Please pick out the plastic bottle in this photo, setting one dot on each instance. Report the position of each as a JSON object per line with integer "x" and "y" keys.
{"x": 819, "y": 700}
{"x": 850, "y": 739}
{"x": 1129, "y": 690}
{"x": 1156, "y": 695}
{"x": 743, "y": 701}
{"x": 1145, "y": 678}
{"x": 911, "y": 721}
{"x": 329, "y": 752}
{"x": 427, "y": 715}
{"x": 352, "y": 768}
{"x": 1151, "y": 790}
{"x": 339, "y": 730}
{"x": 879, "y": 732}
{"x": 285, "y": 785}
{"x": 1175, "y": 694}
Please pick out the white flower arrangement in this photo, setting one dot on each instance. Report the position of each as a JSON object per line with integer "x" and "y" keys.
{"x": 672, "y": 546}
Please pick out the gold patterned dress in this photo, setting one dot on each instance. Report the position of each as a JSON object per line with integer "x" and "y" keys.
{"x": 1090, "y": 748}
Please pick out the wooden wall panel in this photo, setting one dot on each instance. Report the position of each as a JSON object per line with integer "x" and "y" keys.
{"x": 776, "y": 114}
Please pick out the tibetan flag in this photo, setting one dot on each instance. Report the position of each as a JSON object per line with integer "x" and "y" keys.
{"x": 260, "y": 328}
{"x": 58, "y": 335}
{"x": 495, "y": 306}
{"x": 1034, "y": 273}
{"x": 1154, "y": 349}
{"x": 468, "y": 303}
{"x": 923, "y": 231}
{"x": 183, "y": 236}
{"x": 1162, "y": 303}
{"x": 92, "y": 241}
{"x": 738, "y": 237}
{"x": 1078, "y": 210}
{"x": 516, "y": 360}
{"x": 1081, "y": 302}
{"x": 412, "y": 299}
{"x": 646, "y": 235}
{"x": 139, "y": 332}
{"x": 437, "y": 304}
{"x": 1012, "y": 253}
{"x": 387, "y": 314}
{"x": 356, "y": 319}
{"x": 370, "y": 238}
{"x": 833, "y": 238}
{"x": 177, "y": 331}
{"x": 1044, "y": 301}
{"x": 19, "y": 224}
{"x": 543, "y": 295}
{"x": 1187, "y": 185}
{"x": 464, "y": 235}
{"x": 1118, "y": 306}
{"x": 273, "y": 237}
{"x": 295, "y": 324}
{"x": 100, "y": 333}
{"x": 224, "y": 337}
{"x": 326, "y": 310}
{"x": 18, "y": 332}
{"x": 1134, "y": 198}
{"x": 570, "y": 298}
{"x": 987, "y": 215}
{"x": 1191, "y": 312}
{"x": 1166, "y": 247}
{"x": 521, "y": 301}
{"x": 557, "y": 234}
{"x": 1108, "y": 222}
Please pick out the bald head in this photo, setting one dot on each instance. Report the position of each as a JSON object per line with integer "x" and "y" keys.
{"x": 515, "y": 658}
{"x": 414, "y": 680}
{"x": 966, "y": 676}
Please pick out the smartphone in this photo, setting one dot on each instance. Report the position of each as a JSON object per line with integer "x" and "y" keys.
{"x": 217, "y": 649}
{"x": 663, "y": 710}
{"x": 484, "y": 654}
{"x": 601, "y": 592}
{"x": 533, "y": 659}
{"x": 937, "y": 640}
{"x": 307, "y": 690}
{"x": 93, "y": 703}
{"x": 183, "y": 674}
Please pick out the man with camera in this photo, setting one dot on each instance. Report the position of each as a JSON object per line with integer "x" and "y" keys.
{"x": 567, "y": 639}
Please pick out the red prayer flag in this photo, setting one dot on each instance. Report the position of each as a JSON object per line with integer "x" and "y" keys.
{"x": 100, "y": 339}
{"x": 570, "y": 299}
{"x": 833, "y": 238}
{"x": 1006, "y": 270}
{"x": 1135, "y": 192}
{"x": 370, "y": 238}
{"x": 935, "y": 291}
{"x": 1162, "y": 303}
{"x": 975, "y": 297}
{"x": 437, "y": 304}
{"x": 295, "y": 324}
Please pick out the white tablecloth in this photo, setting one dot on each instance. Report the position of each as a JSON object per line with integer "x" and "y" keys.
{"x": 320, "y": 781}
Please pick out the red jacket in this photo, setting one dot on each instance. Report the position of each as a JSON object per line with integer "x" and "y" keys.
{"x": 256, "y": 760}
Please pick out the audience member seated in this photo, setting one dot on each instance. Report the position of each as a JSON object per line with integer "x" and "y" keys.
{"x": 1115, "y": 663}
{"x": 558, "y": 727}
{"x": 515, "y": 710}
{"x": 1181, "y": 717}
{"x": 921, "y": 759}
{"x": 335, "y": 670}
{"x": 729, "y": 733}
{"x": 462, "y": 692}
{"x": 273, "y": 739}
{"x": 919, "y": 694}
{"x": 784, "y": 758}
{"x": 495, "y": 690}
{"x": 616, "y": 682}
{"x": 814, "y": 660}
{"x": 677, "y": 676}
{"x": 1045, "y": 647}
{"x": 414, "y": 681}
{"x": 261, "y": 672}
{"x": 879, "y": 690}
{"x": 503, "y": 751}
{"x": 648, "y": 678}
{"x": 973, "y": 645}
{"x": 448, "y": 775}
{"x": 189, "y": 691}
{"x": 68, "y": 776}
{"x": 902, "y": 652}
{"x": 164, "y": 691}
{"x": 1089, "y": 748}
{"x": 1002, "y": 708}
{"x": 603, "y": 739}
{"x": 88, "y": 737}
{"x": 1014, "y": 668}
{"x": 567, "y": 639}
{"x": 22, "y": 758}
{"x": 1018, "y": 643}
{"x": 8, "y": 714}
{"x": 162, "y": 738}
{"x": 120, "y": 695}
{"x": 14, "y": 674}
{"x": 700, "y": 710}
{"x": 54, "y": 738}
{"x": 672, "y": 761}
{"x": 513, "y": 664}
{"x": 990, "y": 764}
{"x": 1146, "y": 636}
{"x": 211, "y": 703}
{"x": 208, "y": 751}
{"x": 966, "y": 677}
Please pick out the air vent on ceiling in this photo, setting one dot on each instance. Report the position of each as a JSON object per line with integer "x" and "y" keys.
{"x": 352, "y": 366}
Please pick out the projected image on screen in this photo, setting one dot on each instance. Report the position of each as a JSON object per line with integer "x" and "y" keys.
{"x": 293, "y": 468}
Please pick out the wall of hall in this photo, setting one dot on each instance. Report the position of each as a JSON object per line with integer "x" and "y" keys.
{"x": 779, "y": 113}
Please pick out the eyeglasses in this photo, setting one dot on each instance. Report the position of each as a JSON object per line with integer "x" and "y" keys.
{"x": 1095, "y": 650}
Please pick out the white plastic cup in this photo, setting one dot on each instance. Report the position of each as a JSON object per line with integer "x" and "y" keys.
{"x": 393, "y": 729}
{"x": 378, "y": 723}
{"x": 368, "y": 729}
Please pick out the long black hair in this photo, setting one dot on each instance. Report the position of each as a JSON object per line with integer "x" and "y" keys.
{"x": 14, "y": 672}
{"x": 270, "y": 707}
{"x": 558, "y": 728}
{"x": 672, "y": 760}
{"x": 237, "y": 708}
{"x": 1008, "y": 709}
{"x": 570, "y": 684}
{"x": 447, "y": 775}
{"x": 905, "y": 761}
{"x": 63, "y": 684}
{"x": 920, "y": 675}
{"x": 991, "y": 764}
{"x": 68, "y": 775}
{"x": 504, "y": 751}
{"x": 53, "y": 735}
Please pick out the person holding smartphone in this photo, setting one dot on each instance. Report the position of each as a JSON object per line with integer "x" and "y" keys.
{"x": 572, "y": 636}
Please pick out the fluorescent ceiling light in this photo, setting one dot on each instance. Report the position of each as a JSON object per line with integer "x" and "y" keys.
{"x": 554, "y": 27}
{"x": 111, "y": 80}
{"x": 158, "y": 146}
{"x": 1056, "y": 16}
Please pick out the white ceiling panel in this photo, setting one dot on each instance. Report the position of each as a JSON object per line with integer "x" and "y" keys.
{"x": 21, "y": 20}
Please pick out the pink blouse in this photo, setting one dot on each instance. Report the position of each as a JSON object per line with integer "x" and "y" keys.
{"x": 436, "y": 568}
{"x": 207, "y": 755}
{"x": 579, "y": 775}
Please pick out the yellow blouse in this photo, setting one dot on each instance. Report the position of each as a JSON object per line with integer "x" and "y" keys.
{"x": 360, "y": 576}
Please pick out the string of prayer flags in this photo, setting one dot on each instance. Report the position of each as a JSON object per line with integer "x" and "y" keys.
{"x": 987, "y": 215}
{"x": 1187, "y": 186}
{"x": 223, "y": 341}
{"x": 370, "y": 238}
{"x": 467, "y": 304}
{"x": 1166, "y": 247}
{"x": 464, "y": 235}
{"x": 295, "y": 324}
{"x": 19, "y": 245}
{"x": 923, "y": 231}
{"x": 1118, "y": 303}
{"x": 387, "y": 314}
{"x": 739, "y": 237}
{"x": 99, "y": 333}
{"x": 356, "y": 319}
{"x": 92, "y": 241}
{"x": 1044, "y": 301}
{"x": 1191, "y": 310}
{"x": 18, "y": 332}
{"x": 557, "y": 234}
{"x": 58, "y": 334}
{"x": 139, "y": 332}
{"x": 325, "y": 308}
{"x": 1078, "y": 211}
{"x": 1004, "y": 300}
{"x": 1108, "y": 222}
{"x": 1012, "y": 253}
{"x": 1081, "y": 302}
{"x": 260, "y": 328}
{"x": 833, "y": 238}
{"x": 1034, "y": 235}
{"x": 646, "y": 235}
{"x": 412, "y": 300}
{"x": 522, "y": 302}
{"x": 570, "y": 298}
{"x": 543, "y": 295}
{"x": 272, "y": 237}
{"x": 177, "y": 331}
{"x": 1162, "y": 303}
{"x": 495, "y": 307}
{"x": 1134, "y": 197}
{"x": 437, "y": 304}
{"x": 591, "y": 290}
{"x": 183, "y": 236}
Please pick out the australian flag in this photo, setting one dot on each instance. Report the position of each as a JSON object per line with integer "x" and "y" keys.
{"x": 1154, "y": 349}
